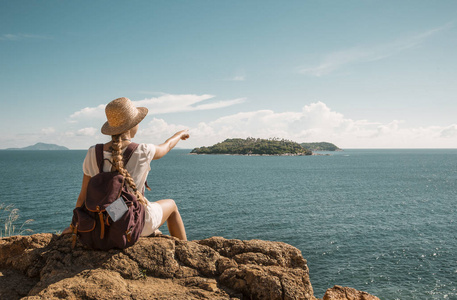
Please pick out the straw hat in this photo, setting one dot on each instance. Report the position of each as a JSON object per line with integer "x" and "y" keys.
{"x": 122, "y": 115}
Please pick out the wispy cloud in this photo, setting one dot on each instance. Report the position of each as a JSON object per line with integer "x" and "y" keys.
{"x": 88, "y": 131}
{"x": 48, "y": 130}
{"x": 161, "y": 105}
{"x": 237, "y": 78}
{"x": 22, "y": 36}
{"x": 219, "y": 104}
{"x": 181, "y": 103}
{"x": 88, "y": 112}
{"x": 340, "y": 59}
{"x": 449, "y": 132}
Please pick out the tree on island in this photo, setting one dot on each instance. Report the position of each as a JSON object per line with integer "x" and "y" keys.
{"x": 272, "y": 146}
{"x": 322, "y": 146}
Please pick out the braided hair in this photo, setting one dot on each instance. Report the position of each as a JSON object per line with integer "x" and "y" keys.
{"x": 119, "y": 165}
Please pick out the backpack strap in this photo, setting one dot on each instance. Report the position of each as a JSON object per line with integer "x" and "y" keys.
{"x": 126, "y": 156}
{"x": 99, "y": 156}
{"x": 128, "y": 152}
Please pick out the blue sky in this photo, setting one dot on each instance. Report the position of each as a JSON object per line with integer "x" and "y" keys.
{"x": 360, "y": 74}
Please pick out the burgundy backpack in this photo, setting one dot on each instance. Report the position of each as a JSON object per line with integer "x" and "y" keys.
{"x": 93, "y": 222}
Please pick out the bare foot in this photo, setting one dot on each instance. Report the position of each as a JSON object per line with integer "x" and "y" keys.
{"x": 156, "y": 232}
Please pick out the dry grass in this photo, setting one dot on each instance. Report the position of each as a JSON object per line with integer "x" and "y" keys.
{"x": 8, "y": 217}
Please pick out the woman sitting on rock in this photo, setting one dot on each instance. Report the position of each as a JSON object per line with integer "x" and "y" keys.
{"x": 122, "y": 125}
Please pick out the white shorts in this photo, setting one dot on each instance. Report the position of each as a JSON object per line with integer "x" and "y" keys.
{"x": 152, "y": 218}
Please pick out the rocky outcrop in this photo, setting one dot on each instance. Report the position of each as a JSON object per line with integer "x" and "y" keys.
{"x": 346, "y": 293}
{"x": 43, "y": 266}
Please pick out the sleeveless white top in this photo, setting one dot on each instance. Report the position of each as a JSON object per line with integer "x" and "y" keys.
{"x": 138, "y": 165}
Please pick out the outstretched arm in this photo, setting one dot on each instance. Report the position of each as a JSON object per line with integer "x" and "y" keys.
{"x": 169, "y": 144}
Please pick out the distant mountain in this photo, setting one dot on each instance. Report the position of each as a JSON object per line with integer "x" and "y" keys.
{"x": 322, "y": 146}
{"x": 41, "y": 146}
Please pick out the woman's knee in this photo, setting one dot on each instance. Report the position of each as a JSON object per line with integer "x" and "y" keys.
{"x": 170, "y": 204}
{"x": 167, "y": 202}
{"x": 173, "y": 204}
{"x": 168, "y": 208}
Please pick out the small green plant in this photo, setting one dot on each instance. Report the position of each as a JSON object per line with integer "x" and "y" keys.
{"x": 142, "y": 274}
{"x": 8, "y": 217}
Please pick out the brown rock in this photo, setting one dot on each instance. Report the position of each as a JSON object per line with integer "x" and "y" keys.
{"x": 346, "y": 293}
{"x": 18, "y": 284}
{"x": 258, "y": 251}
{"x": 43, "y": 266}
{"x": 198, "y": 257}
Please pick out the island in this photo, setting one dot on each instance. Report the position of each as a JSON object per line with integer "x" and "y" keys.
{"x": 322, "y": 146}
{"x": 41, "y": 146}
{"x": 254, "y": 146}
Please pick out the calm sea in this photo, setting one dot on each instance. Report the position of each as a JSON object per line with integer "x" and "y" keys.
{"x": 382, "y": 221}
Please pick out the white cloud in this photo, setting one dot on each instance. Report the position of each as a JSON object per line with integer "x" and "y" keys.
{"x": 219, "y": 104}
{"x": 449, "y": 132}
{"x": 316, "y": 122}
{"x": 160, "y": 105}
{"x": 22, "y": 36}
{"x": 237, "y": 78}
{"x": 89, "y": 131}
{"x": 48, "y": 130}
{"x": 97, "y": 112}
{"x": 386, "y": 129}
{"x": 180, "y": 103}
{"x": 157, "y": 131}
{"x": 340, "y": 59}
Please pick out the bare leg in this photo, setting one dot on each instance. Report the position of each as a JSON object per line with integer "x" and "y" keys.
{"x": 173, "y": 218}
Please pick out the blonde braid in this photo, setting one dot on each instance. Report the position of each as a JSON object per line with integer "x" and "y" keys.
{"x": 119, "y": 165}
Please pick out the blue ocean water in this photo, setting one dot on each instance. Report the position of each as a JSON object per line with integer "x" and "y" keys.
{"x": 382, "y": 221}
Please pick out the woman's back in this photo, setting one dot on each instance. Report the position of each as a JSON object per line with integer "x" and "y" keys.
{"x": 138, "y": 166}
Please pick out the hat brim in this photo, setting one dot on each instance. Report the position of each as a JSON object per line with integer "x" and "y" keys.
{"x": 111, "y": 130}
